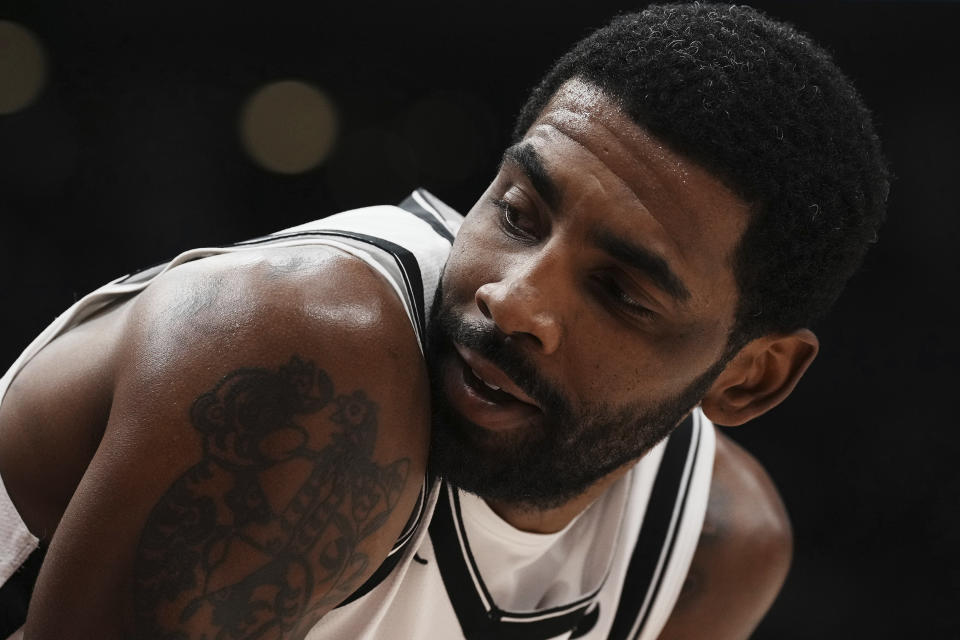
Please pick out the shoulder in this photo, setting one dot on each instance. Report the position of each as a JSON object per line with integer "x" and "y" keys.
{"x": 303, "y": 284}
{"x": 745, "y": 506}
{"x": 267, "y": 442}
{"x": 252, "y": 308}
{"x": 267, "y": 305}
{"x": 743, "y": 554}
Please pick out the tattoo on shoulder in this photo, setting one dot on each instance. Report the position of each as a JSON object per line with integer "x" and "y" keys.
{"x": 229, "y": 545}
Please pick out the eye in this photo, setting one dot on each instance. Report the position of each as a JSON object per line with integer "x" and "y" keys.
{"x": 514, "y": 222}
{"x": 621, "y": 298}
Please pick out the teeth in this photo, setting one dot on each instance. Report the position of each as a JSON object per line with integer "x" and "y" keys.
{"x": 492, "y": 386}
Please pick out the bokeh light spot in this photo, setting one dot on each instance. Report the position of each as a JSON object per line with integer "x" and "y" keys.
{"x": 23, "y": 68}
{"x": 288, "y": 126}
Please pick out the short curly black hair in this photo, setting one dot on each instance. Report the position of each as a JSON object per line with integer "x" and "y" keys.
{"x": 765, "y": 110}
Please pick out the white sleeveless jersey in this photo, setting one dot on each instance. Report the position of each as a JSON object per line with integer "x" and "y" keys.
{"x": 458, "y": 570}
{"x": 615, "y": 572}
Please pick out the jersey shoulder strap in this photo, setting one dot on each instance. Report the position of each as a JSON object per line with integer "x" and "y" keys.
{"x": 670, "y": 531}
{"x": 407, "y": 244}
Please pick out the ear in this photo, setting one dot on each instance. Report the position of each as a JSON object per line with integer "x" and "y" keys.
{"x": 759, "y": 377}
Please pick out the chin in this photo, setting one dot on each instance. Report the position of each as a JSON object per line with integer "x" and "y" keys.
{"x": 525, "y": 470}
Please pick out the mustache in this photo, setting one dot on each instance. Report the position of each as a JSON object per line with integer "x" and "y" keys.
{"x": 499, "y": 350}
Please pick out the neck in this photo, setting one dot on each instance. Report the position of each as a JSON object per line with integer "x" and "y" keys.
{"x": 534, "y": 520}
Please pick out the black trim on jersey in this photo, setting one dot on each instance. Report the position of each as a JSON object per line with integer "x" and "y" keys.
{"x": 409, "y": 268}
{"x": 476, "y": 621}
{"x": 668, "y": 552}
{"x": 445, "y": 211}
{"x": 456, "y": 578}
{"x": 468, "y": 553}
{"x": 393, "y": 558}
{"x": 406, "y": 261}
{"x": 642, "y": 582}
{"x": 587, "y": 623}
{"x": 413, "y": 283}
{"x": 384, "y": 570}
{"x": 411, "y": 527}
{"x": 432, "y": 218}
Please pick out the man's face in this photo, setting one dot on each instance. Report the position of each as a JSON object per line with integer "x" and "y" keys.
{"x": 592, "y": 283}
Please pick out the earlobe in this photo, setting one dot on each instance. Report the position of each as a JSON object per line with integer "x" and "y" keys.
{"x": 760, "y": 377}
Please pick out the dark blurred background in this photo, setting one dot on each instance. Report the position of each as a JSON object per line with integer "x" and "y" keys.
{"x": 132, "y": 131}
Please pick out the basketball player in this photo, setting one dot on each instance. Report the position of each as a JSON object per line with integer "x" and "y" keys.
{"x": 249, "y": 442}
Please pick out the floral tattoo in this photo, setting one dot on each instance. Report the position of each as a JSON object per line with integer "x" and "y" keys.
{"x": 233, "y": 548}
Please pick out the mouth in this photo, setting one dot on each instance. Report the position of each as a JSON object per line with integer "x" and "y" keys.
{"x": 485, "y": 395}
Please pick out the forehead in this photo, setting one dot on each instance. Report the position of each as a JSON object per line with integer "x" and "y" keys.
{"x": 617, "y": 174}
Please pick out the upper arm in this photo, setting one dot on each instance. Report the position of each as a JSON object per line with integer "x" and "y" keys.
{"x": 266, "y": 444}
{"x": 743, "y": 554}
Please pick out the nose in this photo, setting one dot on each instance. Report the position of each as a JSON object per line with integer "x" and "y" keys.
{"x": 521, "y": 306}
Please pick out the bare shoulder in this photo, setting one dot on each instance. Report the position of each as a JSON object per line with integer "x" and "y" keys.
{"x": 266, "y": 443}
{"x": 743, "y": 555}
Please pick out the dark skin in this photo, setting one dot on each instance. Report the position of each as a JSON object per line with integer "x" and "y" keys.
{"x": 252, "y": 469}
{"x": 531, "y": 259}
{"x": 100, "y": 432}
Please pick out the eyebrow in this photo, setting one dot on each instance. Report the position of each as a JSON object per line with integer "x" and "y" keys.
{"x": 528, "y": 160}
{"x": 645, "y": 261}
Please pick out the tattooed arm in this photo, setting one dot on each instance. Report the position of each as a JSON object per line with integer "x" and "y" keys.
{"x": 266, "y": 444}
{"x": 743, "y": 555}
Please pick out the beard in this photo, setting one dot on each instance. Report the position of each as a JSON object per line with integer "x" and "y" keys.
{"x": 547, "y": 463}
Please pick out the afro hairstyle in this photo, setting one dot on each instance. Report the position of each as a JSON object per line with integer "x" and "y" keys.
{"x": 764, "y": 109}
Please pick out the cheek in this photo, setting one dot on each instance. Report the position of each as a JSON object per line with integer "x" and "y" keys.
{"x": 471, "y": 263}
{"x": 459, "y": 279}
{"x": 606, "y": 376}
{"x": 620, "y": 374}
